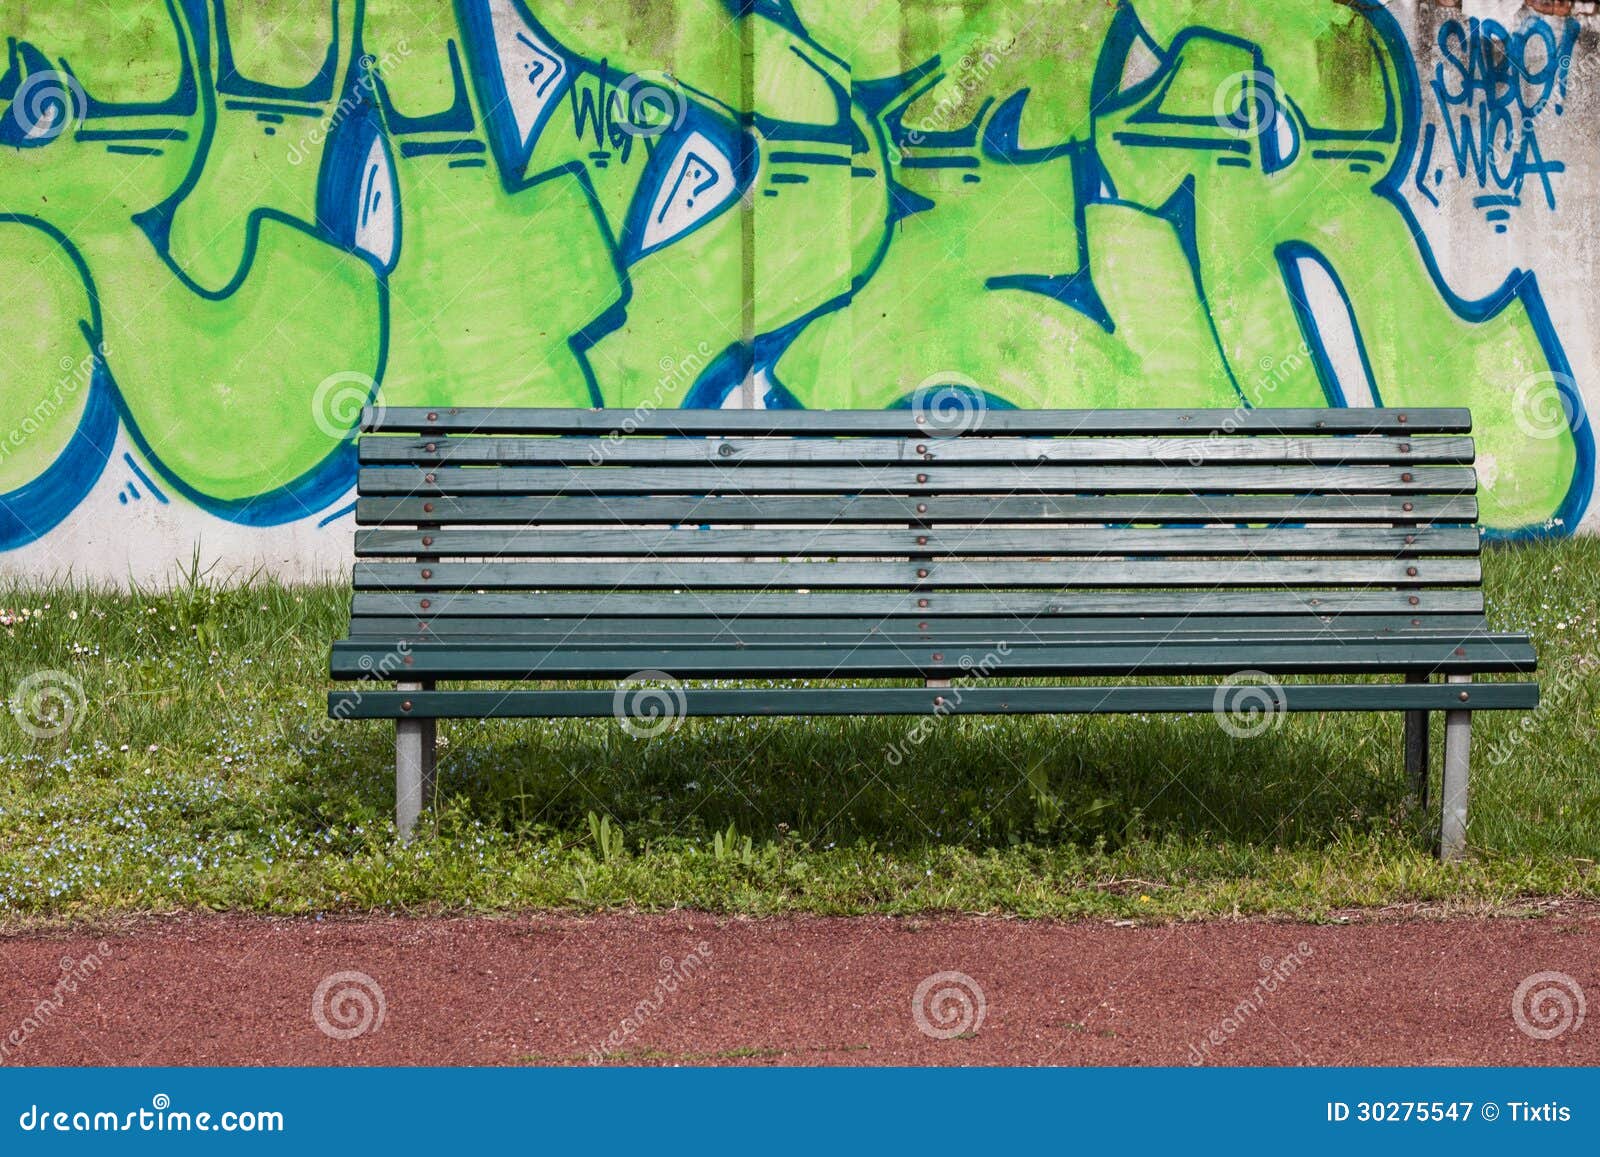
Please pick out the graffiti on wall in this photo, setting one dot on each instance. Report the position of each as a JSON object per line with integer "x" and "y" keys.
{"x": 1493, "y": 86}
{"x": 222, "y": 231}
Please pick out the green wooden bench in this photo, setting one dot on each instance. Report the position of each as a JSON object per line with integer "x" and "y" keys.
{"x": 1006, "y": 551}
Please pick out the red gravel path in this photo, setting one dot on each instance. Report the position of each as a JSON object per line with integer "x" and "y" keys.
{"x": 550, "y": 989}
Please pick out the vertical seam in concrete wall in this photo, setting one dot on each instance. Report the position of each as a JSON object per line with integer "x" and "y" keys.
{"x": 747, "y": 220}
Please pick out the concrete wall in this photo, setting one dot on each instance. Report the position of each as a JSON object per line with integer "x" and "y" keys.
{"x": 226, "y": 224}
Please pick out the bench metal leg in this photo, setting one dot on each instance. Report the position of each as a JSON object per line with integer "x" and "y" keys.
{"x": 1453, "y": 792}
{"x": 430, "y": 759}
{"x": 1417, "y": 748}
{"x": 413, "y": 767}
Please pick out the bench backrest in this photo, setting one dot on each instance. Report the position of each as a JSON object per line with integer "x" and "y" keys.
{"x": 476, "y": 522}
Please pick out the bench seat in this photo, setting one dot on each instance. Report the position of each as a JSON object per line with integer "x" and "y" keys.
{"x": 871, "y": 657}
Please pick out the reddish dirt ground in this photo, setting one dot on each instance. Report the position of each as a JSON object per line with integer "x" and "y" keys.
{"x": 553, "y": 989}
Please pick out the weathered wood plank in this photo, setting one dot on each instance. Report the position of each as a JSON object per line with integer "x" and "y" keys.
{"x": 930, "y": 509}
{"x": 875, "y": 660}
{"x": 583, "y": 630}
{"x": 369, "y": 704}
{"x": 1495, "y": 642}
{"x": 933, "y": 574}
{"x": 998, "y": 480}
{"x": 803, "y": 451}
{"x": 509, "y": 420}
{"x": 800, "y": 605}
{"x": 964, "y": 542}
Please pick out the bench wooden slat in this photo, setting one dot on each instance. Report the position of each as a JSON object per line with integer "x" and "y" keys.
{"x": 937, "y": 543}
{"x": 878, "y": 604}
{"x": 932, "y": 509}
{"x": 983, "y": 700}
{"x": 932, "y": 574}
{"x": 510, "y": 420}
{"x": 1047, "y": 479}
{"x": 790, "y": 451}
{"x": 388, "y": 629}
{"x": 936, "y": 640}
{"x": 871, "y": 660}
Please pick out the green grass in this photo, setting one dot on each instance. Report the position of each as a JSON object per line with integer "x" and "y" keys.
{"x": 199, "y": 771}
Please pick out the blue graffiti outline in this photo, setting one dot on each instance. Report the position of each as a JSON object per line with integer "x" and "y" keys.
{"x": 457, "y": 118}
{"x": 739, "y": 359}
{"x": 312, "y": 490}
{"x": 737, "y": 148}
{"x": 340, "y": 204}
{"x": 1289, "y": 255}
{"x": 899, "y": 93}
{"x": 1403, "y": 121}
{"x": 499, "y": 119}
{"x": 1002, "y": 136}
{"x": 324, "y": 481}
{"x": 1403, "y": 116}
{"x": 149, "y": 484}
{"x": 479, "y": 44}
{"x": 53, "y": 494}
{"x": 1519, "y": 286}
{"x": 318, "y": 90}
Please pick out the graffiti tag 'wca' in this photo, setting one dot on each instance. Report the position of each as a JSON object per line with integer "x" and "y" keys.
{"x": 221, "y": 231}
{"x": 1492, "y": 85}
